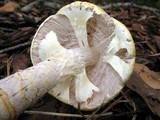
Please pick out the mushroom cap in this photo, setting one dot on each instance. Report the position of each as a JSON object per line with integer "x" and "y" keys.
{"x": 109, "y": 36}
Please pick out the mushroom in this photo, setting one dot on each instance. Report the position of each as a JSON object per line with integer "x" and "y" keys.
{"x": 24, "y": 88}
{"x": 86, "y": 26}
{"x": 81, "y": 55}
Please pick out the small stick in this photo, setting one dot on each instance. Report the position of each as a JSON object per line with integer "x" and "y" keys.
{"x": 8, "y": 62}
{"x": 52, "y": 5}
{"x": 15, "y": 47}
{"x": 28, "y": 7}
{"x": 154, "y": 55}
{"x": 62, "y": 114}
{"x": 110, "y": 106}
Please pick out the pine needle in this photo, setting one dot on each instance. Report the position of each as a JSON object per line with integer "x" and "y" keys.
{"x": 63, "y": 114}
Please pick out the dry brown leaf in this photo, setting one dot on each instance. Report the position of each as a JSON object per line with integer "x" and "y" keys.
{"x": 145, "y": 82}
{"x": 9, "y": 7}
{"x": 138, "y": 26}
{"x": 151, "y": 78}
{"x": 157, "y": 40}
{"x": 20, "y": 62}
{"x": 142, "y": 17}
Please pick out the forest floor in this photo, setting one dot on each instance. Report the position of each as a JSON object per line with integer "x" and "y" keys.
{"x": 18, "y": 24}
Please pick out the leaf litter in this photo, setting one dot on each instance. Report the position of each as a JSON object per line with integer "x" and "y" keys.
{"x": 17, "y": 29}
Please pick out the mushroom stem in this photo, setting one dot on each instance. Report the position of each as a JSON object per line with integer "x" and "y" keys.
{"x": 24, "y": 88}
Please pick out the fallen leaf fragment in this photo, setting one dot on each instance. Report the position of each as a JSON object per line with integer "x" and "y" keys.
{"x": 20, "y": 62}
{"x": 151, "y": 78}
{"x": 157, "y": 40}
{"x": 145, "y": 82}
{"x": 9, "y": 7}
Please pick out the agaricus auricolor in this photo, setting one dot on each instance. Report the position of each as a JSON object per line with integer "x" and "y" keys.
{"x": 87, "y": 26}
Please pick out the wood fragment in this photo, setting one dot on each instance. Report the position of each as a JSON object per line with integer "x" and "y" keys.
{"x": 150, "y": 95}
{"x": 109, "y": 107}
{"x": 154, "y": 55}
{"x": 28, "y": 7}
{"x": 15, "y": 47}
{"x": 52, "y": 5}
{"x": 8, "y": 62}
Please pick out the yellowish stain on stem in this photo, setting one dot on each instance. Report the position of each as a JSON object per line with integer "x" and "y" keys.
{"x": 10, "y": 109}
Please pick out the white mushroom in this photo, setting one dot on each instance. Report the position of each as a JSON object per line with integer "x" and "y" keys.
{"x": 81, "y": 55}
{"x": 86, "y": 26}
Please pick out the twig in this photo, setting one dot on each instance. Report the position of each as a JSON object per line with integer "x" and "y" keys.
{"x": 129, "y": 4}
{"x": 109, "y": 107}
{"x": 8, "y": 62}
{"x": 154, "y": 55}
{"x": 134, "y": 107}
{"x": 15, "y": 47}
{"x": 80, "y": 112}
{"x": 122, "y": 114}
{"x": 132, "y": 103}
{"x": 94, "y": 113}
{"x": 28, "y": 7}
{"x": 89, "y": 116}
{"x": 108, "y": 115}
{"x": 63, "y": 114}
{"x": 52, "y": 5}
